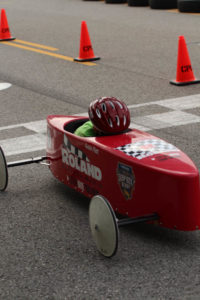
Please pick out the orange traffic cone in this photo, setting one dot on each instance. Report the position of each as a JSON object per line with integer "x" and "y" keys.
{"x": 4, "y": 28}
{"x": 184, "y": 73}
{"x": 86, "y": 52}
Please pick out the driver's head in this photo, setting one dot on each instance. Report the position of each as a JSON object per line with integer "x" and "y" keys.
{"x": 109, "y": 115}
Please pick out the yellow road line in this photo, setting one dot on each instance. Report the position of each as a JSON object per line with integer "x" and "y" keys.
{"x": 35, "y": 45}
{"x": 47, "y": 53}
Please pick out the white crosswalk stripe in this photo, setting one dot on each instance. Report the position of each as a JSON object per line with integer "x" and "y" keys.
{"x": 24, "y": 144}
{"x": 175, "y": 117}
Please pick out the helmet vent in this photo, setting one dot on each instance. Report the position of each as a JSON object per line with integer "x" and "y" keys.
{"x": 98, "y": 113}
{"x": 112, "y": 105}
{"x": 119, "y": 104}
{"x": 124, "y": 120}
{"x": 117, "y": 120}
{"x": 103, "y": 107}
{"x": 110, "y": 122}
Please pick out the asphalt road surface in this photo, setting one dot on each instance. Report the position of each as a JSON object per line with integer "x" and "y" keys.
{"x": 46, "y": 249}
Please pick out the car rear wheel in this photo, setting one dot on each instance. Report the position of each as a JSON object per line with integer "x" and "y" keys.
{"x": 189, "y": 5}
{"x": 163, "y": 4}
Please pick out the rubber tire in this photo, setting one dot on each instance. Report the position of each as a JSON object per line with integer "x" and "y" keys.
{"x": 163, "y": 4}
{"x": 115, "y": 1}
{"x": 3, "y": 171}
{"x": 138, "y": 2}
{"x": 189, "y": 5}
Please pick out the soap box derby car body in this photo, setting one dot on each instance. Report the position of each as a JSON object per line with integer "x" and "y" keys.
{"x": 134, "y": 175}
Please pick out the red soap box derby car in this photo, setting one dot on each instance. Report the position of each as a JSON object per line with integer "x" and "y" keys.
{"x": 133, "y": 174}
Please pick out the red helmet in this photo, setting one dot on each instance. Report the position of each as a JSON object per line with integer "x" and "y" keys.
{"x": 109, "y": 115}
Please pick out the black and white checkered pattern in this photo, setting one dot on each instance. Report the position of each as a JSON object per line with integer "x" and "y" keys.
{"x": 147, "y": 147}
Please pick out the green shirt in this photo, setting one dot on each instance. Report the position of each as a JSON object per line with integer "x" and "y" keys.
{"x": 86, "y": 130}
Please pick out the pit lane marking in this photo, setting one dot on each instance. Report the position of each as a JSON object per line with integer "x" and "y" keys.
{"x": 37, "y": 139}
{"x": 55, "y": 55}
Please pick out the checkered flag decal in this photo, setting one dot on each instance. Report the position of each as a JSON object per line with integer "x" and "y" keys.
{"x": 74, "y": 150}
{"x": 147, "y": 147}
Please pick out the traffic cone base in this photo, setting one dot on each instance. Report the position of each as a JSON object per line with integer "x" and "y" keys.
{"x": 184, "y": 82}
{"x": 10, "y": 39}
{"x": 86, "y": 59}
{"x": 184, "y": 72}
